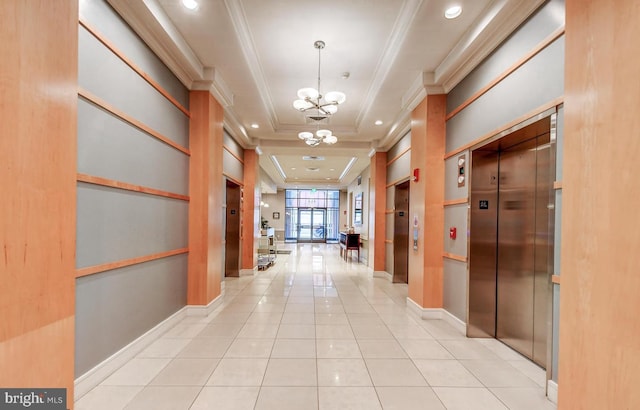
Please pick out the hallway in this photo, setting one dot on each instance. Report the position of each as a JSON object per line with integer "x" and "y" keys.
{"x": 315, "y": 332}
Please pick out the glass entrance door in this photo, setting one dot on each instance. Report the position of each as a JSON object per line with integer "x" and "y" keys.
{"x": 312, "y": 225}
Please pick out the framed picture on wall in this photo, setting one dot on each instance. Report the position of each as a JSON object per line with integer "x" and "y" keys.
{"x": 276, "y": 215}
{"x": 357, "y": 215}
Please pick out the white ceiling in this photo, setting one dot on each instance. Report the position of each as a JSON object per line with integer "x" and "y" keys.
{"x": 255, "y": 54}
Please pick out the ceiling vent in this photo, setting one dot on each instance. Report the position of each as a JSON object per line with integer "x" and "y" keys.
{"x": 312, "y": 158}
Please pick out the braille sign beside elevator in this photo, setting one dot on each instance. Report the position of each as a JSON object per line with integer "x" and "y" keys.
{"x": 484, "y": 204}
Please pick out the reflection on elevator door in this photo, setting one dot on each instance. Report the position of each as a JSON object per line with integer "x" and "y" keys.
{"x": 511, "y": 240}
{"x": 401, "y": 234}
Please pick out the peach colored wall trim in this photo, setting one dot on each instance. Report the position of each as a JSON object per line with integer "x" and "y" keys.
{"x": 232, "y": 179}
{"x": 129, "y": 187}
{"x": 90, "y": 270}
{"x": 250, "y": 218}
{"x": 426, "y": 199}
{"x": 142, "y": 127}
{"x": 205, "y": 205}
{"x": 394, "y": 159}
{"x": 557, "y": 185}
{"x": 240, "y": 160}
{"x": 388, "y": 241}
{"x": 458, "y": 258}
{"x": 133, "y": 66}
{"x": 535, "y": 51}
{"x": 599, "y": 357}
{"x": 553, "y": 103}
{"x": 38, "y": 157}
{"x": 555, "y": 279}
{"x": 389, "y": 211}
{"x": 397, "y": 181}
{"x": 459, "y": 201}
{"x": 377, "y": 207}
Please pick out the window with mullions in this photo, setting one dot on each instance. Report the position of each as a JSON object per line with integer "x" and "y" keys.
{"x": 296, "y": 199}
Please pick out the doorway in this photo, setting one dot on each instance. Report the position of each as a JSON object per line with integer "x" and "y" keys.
{"x": 312, "y": 224}
{"x": 232, "y": 235}
{"x": 511, "y": 240}
{"x": 401, "y": 234}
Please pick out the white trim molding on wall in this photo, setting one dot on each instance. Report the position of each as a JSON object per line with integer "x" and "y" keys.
{"x": 437, "y": 313}
{"x": 98, "y": 374}
{"x": 382, "y": 274}
{"x": 552, "y": 391}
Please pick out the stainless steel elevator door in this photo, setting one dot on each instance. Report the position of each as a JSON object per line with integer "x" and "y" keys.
{"x": 511, "y": 240}
{"x": 483, "y": 234}
{"x": 401, "y": 234}
{"x": 524, "y": 248}
{"x": 516, "y": 251}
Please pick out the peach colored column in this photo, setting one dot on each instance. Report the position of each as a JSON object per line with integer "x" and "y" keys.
{"x": 205, "y": 207}
{"x": 38, "y": 133}
{"x": 250, "y": 211}
{"x": 426, "y": 201}
{"x": 377, "y": 207}
{"x": 599, "y": 358}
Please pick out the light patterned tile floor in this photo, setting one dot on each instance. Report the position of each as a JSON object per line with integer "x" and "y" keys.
{"x": 316, "y": 332}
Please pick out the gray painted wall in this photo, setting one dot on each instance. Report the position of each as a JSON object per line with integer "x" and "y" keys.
{"x": 451, "y": 189}
{"x": 455, "y": 288}
{"x": 456, "y": 216}
{"x": 537, "y": 82}
{"x": 115, "y": 307}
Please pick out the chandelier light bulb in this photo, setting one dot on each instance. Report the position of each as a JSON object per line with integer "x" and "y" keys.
{"x": 331, "y": 139}
{"x": 330, "y": 109}
{"x": 305, "y": 135}
{"x": 302, "y": 105}
{"x": 308, "y": 93}
{"x": 323, "y": 133}
{"x": 335, "y": 97}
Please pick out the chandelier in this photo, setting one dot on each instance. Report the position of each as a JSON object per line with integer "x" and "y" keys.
{"x": 324, "y": 106}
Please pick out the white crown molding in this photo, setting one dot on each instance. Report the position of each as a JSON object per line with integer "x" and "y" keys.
{"x": 394, "y": 44}
{"x": 400, "y": 127}
{"x": 151, "y": 23}
{"x": 237, "y": 130}
{"x": 239, "y": 20}
{"x": 484, "y": 36}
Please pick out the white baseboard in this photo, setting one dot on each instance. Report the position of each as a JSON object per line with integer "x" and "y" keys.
{"x": 458, "y": 324}
{"x": 95, "y": 376}
{"x": 414, "y": 307}
{"x": 198, "y": 310}
{"x": 437, "y": 313}
{"x": 382, "y": 274}
{"x": 248, "y": 272}
{"x": 552, "y": 391}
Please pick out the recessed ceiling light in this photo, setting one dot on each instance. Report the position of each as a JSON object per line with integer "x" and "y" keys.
{"x": 453, "y": 12}
{"x": 378, "y": 122}
{"x": 190, "y": 4}
{"x": 331, "y": 169}
{"x": 293, "y": 168}
{"x": 255, "y": 126}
